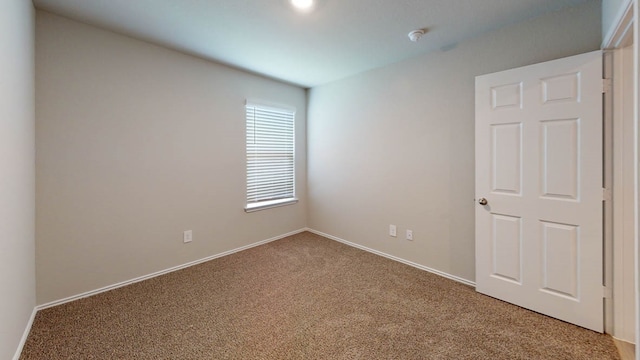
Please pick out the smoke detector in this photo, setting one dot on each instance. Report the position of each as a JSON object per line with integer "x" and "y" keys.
{"x": 415, "y": 35}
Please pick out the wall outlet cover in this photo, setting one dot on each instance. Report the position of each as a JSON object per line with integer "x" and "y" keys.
{"x": 410, "y": 235}
{"x": 187, "y": 236}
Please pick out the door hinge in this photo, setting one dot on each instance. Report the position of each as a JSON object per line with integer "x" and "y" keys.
{"x": 606, "y": 85}
{"x": 607, "y": 293}
{"x": 606, "y": 194}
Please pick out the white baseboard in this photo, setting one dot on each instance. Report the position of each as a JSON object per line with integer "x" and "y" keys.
{"x": 162, "y": 272}
{"x": 25, "y": 334}
{"x": 209, "y": 258}
{"x": 395, "y": 258}
{"x": 624, "y": 341}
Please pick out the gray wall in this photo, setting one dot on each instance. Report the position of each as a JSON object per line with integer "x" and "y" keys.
{"x": 396, "y": 145}
{"x": 135, "y": 144}
{"x": 17, "y": 179}
{"x": 610, "y": 11}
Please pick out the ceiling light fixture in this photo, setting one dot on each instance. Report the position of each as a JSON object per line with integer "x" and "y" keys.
{"x": 415, "y": 35}
{"x": 304, "y": 5}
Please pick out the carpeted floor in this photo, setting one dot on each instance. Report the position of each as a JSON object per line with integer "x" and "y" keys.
{"x": 303, "y": 297}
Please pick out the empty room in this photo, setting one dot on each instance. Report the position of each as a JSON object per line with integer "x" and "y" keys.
{"x": 319, "y": 179}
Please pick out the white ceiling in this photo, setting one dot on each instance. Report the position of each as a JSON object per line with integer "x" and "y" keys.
{"x": 338, "y": 39}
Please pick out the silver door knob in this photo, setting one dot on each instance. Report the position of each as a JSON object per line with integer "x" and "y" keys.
{"x": 482, "y": 201}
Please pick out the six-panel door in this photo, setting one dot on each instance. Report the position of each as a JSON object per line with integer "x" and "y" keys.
{"x": 539, "y": 165}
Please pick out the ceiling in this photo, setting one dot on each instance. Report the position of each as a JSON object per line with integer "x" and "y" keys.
{"x": 338, "y": 39}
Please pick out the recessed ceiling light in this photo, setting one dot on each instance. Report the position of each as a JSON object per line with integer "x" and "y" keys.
{"x": 304, "y": 5}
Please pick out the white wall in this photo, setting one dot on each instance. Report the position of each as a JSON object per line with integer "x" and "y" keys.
{"x": 135, "y": 144}
{"x": 396, "y": 145}
{"x": 17, "y": 173}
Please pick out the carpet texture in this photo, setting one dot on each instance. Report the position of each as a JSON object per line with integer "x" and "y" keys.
{"x": 303, "y": 297}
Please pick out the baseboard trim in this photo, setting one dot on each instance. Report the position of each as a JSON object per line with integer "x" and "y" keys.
{"x": 395, "y": 258}
{"x": 233, "y": 251}
{"x": 162, "y": 272}
{"x": 25, "y": 334}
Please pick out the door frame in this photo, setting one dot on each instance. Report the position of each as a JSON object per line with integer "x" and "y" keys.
{"x": 623, "y": 32}
{"x": 636, "y": 97}
{"x": 619, "y": 237}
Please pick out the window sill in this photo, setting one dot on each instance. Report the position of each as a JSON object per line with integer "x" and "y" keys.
{"x": 269, "y": 204}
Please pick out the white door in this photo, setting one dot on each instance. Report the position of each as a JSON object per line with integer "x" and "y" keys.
{"x": 539, "y": 168}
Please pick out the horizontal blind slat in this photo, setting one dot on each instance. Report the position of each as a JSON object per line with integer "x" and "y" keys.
{"x": 270, "y": 154}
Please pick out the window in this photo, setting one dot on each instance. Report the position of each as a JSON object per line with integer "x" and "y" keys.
{"x": 270, "y": 157}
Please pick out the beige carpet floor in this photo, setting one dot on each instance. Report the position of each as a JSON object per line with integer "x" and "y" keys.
{"x": 303, "y": 297}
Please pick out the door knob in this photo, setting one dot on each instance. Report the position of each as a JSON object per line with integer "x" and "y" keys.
{"x": 482, "y": 201}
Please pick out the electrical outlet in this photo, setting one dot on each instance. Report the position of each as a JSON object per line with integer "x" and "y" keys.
{"x": 410, "y": 235}
{"x": 187, "y": 236}
{"x": 392, "y": 230}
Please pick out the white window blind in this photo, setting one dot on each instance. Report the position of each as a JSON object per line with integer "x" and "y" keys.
{"x": 270, "y": 156}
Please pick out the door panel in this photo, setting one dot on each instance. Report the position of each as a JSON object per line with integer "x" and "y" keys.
{"x": 506, "y": 169}
{"x": 560, "y": 243}
{"x": 507, "y": 247}
{"x": 560, "y": 159}
{"x": 539, "y": 165}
